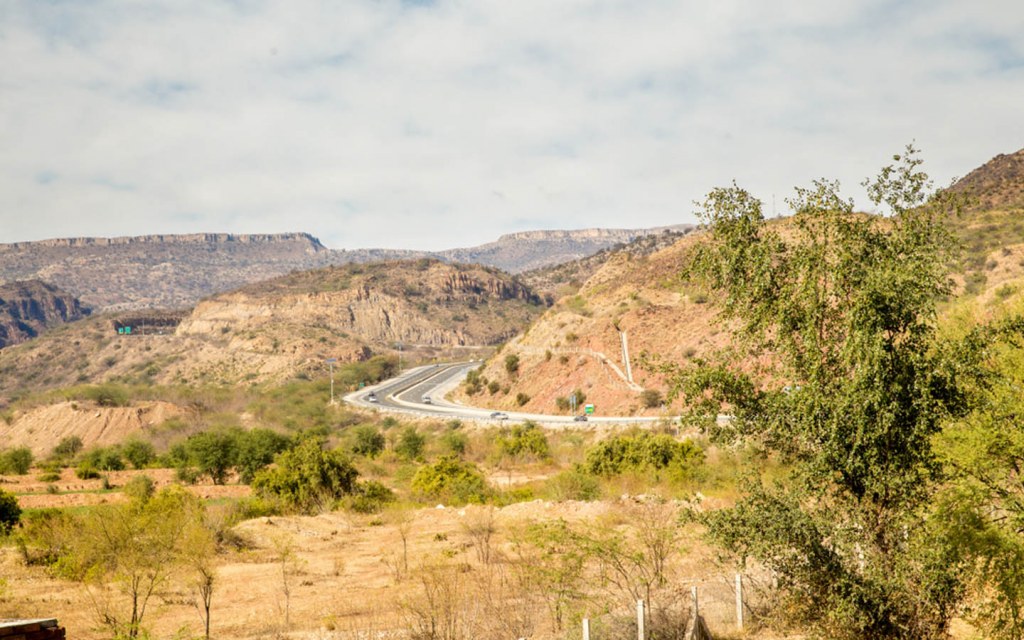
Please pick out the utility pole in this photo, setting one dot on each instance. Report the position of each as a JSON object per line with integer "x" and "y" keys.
{"x": 330, "y": 363}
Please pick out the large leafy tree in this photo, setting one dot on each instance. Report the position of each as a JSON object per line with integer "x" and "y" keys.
{"x": 851, "y": 384}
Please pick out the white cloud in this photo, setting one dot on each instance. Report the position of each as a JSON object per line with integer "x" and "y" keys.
{"x": 448, "y": 123}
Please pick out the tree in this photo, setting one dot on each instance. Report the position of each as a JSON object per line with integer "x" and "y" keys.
{"x": 68, "y": 447}
{"x": 138, "y": 452}
{"x": 367, "y": 440}
{"x": 307, "y": 478}
{"x": 410, "y": 443}
{"x": 256, "y": 449}
{"x": 450, "y": 479}
{"x": 16, "y": 461}
{"x": 214, "y": 453}
{"x": 137, "y": 547}
{"x": 844, "y": 305}
{"x": 10, "y": 512}
{"x": 512, "y": 364}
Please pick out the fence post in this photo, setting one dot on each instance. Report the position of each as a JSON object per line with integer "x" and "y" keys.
{"x": 739, "y": 602}
{"x": 586, "y": 628}
{"x": 640, "y": 620}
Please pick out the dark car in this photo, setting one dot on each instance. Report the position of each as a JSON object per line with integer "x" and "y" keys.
{"x": 580, "y": 418}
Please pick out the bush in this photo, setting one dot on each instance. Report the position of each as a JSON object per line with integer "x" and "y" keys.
{"x": 643, "y": 452}
{"x": 455, "y": 442}
{"x": 104, "y": 459}
{"x": 370, "y": 497}
{"x": 367, "y": 440}
{"x": 214, "y": 453}
{"x": 652, "y": 398}
{"x": 522, "y": 398}
{"x": 307, "y": 478}
{"x": 10, "y": 512}
{"x": 16, "y": 461}
{"x": 522, "y": 442}
{"x": 573, "y": 484}
{"x": 86, "y": 471}
{"x": 410, "y": 444}
{"x": 452, "y": 480}
{"x": 107, "y": 395}
{"x": 512, "y": 364}
{"x": 256, "y": 450}
{"x": 68, "y": 447}
{"x": 138, "y": 453}
{"x": 140, "y": 488}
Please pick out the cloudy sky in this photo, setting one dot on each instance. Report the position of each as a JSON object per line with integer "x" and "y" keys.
{"x": 434, "y": 124}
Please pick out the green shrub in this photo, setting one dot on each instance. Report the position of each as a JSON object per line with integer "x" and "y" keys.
{"x": 522, "y": 398}
{"x": 86, "y": 471}
{"x": 256, "y": 450}
{"x": 214, "y": 453}
{"x": 138, "y": 452}
{"x": 140, "y": 488}
{"x": 10, "y": 512}
{"x": 522, "y": 442}
{"x": 68, "y": 447}
{"x": 16, "y": 461}
{"x": 512, "y": 364}
{"x": 454, "y": 442}
{"x": 104, "y": 458}
{"x": 370, "y": 497}
{"x": 367, "y": 440}
{"x": 452, "y": 480}
{"x": 573, "y": 484}
{"x": 643, "y": 452}
{"x": 307, "y": 478}
{"x": 410, "y": 444}
{"x": 107, "y": 395}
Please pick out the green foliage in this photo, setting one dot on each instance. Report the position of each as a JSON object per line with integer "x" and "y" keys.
{"x": 214, "y": 453}
{"x": 103, "y": 459}
{"x": 845, "y": 305}
{"x": 512, "y": 364}
{"x": 139, "y": 488}
{"x": 138, "y": 452}
{"x": 307, "y": 478}
{"x": 452, "y": 480}
{"x": 10, "y": 512}
{"x": 410, "y": 443}
{"x": 68, "y": 447}
{"x": 106, "y": 395}
{"x": 15, "y": 461}
{"x": 367, "y": 440}
{"x": 642, "y": 452}
{"x": 573, "y": 484}
{"x": 370, "y": 497}
{"x": 522, "y": 399}
{"x": 522, "y": 442}
{"x": 86, "y": 471}
{"x": 256, "y": 449}
{"x": 454, "y": 442}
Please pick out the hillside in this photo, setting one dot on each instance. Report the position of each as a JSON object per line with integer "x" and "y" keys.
{"x": 282, "y": 328}
{"x": 576, "y": 345}
{"x": 527, "y": 250}
{"x": 176, "y": 271}
{"x": 27, "y": 308}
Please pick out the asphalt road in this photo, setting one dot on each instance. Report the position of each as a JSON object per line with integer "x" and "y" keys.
{"x": 406, "y": 393}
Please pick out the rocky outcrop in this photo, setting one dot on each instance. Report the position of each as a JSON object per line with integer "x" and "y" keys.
{"x": 527, "y": 250}
{"x": 997, "y": 184}
{"x": 29, "y": 308}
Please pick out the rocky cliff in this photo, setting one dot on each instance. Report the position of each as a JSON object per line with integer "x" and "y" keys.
{"x": 27, "y": 308}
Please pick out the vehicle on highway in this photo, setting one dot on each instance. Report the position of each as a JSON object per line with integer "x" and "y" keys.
{"x": 580, "y": 418}
{"x": 497, "y": 415}
{"x": 372, "y": 397}
{"x": 426, "y": 399}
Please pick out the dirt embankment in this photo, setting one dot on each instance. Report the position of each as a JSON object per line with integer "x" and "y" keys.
{"x": 42, "y": 428}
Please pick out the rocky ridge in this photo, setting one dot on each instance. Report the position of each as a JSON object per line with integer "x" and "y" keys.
{"x": 28, "y": 308}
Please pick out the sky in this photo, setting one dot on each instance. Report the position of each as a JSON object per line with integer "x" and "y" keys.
{"x": 438, "y": 124}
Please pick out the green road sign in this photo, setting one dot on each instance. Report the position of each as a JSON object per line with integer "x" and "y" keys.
{"x": 588, "y": 409}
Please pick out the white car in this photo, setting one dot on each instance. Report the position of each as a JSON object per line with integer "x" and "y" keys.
{"x": 497, "y": 415}
{"x": 426, "y": 399}
{"x": 372, "y": 397}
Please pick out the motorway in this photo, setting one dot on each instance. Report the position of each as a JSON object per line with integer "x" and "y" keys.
{"x": 406, "y": 392}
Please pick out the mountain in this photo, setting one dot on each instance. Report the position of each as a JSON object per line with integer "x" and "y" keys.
{"x": 997, "y": 184}
{"x": 283, "y": 327}
{"x": 523, "y": 251}
{"x": 175, "y": 271}
{"x": 28, "y": 308}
